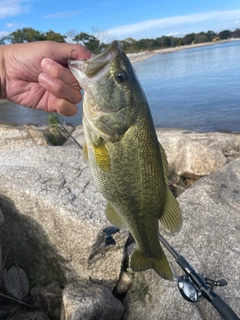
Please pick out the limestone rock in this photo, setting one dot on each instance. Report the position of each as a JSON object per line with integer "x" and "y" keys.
{"x": 209, "y": 240}
{"x": 55, "y": 217}
{"x": 48, "y": 299}
{"x": 191, "y": 154}
{"x": 16, "y": 138}
{"x": 16, "y": 282}
{"x": 124, "y": 282}
{"x": 90, "y": 301}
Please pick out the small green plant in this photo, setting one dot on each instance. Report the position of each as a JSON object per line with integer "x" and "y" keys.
{"x": 54, "y": 134}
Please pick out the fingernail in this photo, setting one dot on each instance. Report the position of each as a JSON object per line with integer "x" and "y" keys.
{"x": 44, "y": 78}
{"x": 45, "y": 64}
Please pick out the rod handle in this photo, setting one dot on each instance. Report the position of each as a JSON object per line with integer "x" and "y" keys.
{"x": 223, "y": 309}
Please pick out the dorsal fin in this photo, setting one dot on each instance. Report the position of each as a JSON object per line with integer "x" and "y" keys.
{"x": 171, "y": 218}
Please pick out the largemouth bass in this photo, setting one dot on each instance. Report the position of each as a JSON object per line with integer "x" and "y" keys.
{"x": 127, "y": 161}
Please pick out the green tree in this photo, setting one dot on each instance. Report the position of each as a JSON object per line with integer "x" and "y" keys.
{"x": 225, "y": 34}
{"x": 211, "y": 35}
{"x": 51, "y": 35}
{"x": 180, "y": 42}
{"x": 189, "y": 38}
{"x": 201, "y": 37}
{"x": 236, "y": 33}
{"x": 2, "y": 40}
{"x": 167, "y": 42}
{"x": 25, "y": 35}
{"x": 89, "y": 41}
{"x": 157, "y": 43}
{"x": 128, "y": 45}
{"x": 144, "y": 44}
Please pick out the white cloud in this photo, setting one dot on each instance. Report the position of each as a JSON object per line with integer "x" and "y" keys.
{"x": 9, "y": 25}
{"x": 173, "y": 34}
{"x": 175, "y": 24}
{"x": 3, "y": 34}
{"x": 11, "y": 8}
{"x": 66, "y": 14}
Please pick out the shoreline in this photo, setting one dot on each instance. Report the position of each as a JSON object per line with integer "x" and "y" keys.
{"x": 145, "y": 55}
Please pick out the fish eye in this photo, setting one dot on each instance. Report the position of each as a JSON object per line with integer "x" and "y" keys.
{"x": 121, "y": 76}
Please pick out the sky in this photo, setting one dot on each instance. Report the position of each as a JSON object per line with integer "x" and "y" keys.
{"x": 121, "y": 19}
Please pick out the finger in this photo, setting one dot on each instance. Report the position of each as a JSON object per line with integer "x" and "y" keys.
{"x": 62, "y": 50}
{"x": 57, "y": 71}
{"x": 62, "y": 106}
{"x": 59, "y": 88}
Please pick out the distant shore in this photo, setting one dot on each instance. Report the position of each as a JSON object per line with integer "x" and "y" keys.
{"x": 144, "y": 55}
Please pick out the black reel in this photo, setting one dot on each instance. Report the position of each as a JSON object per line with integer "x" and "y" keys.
{"x": 191, "y": 292}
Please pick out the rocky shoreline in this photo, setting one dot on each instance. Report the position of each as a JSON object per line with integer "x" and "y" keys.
{"x": 52, "y": 220}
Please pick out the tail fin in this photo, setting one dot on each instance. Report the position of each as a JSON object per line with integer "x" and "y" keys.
{"x": 141, "y": 262}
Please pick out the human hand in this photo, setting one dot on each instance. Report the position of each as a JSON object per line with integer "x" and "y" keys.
{"x": 35, "y": 75}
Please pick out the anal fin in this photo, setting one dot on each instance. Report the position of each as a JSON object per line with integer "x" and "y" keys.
{"x": 171, "y": 218}
{"x": 114, "y": 217}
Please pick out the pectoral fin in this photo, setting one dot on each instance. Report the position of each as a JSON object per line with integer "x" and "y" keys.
{"x": 171, "y": 218}
{"x": 101, "y": 156}
{"x": 114, "y": 217}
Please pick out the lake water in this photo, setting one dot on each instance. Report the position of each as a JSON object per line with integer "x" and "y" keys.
{"x": 196, "y": 89}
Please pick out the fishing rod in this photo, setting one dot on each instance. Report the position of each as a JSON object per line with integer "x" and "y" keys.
{"x": 194, "y": 286}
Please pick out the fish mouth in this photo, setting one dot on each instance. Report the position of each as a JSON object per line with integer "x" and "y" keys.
{"x": 100, "y": 110}
{"x": 94, "y": 65}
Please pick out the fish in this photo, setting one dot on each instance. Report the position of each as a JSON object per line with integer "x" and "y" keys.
{"x": 127, "y": 162}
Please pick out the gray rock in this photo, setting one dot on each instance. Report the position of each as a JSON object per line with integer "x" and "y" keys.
{"x": 228, "y": 143}
{"x": 1, "y": 217}
{"x": 151, "y": 297}
{"x": 209, "y": 240}
{"x": 1, "y": 263}
{"x": 124, "y": 282}
{"x": 32, "y": 315}
{"x": 1, "y": 266}
{"x": 16, "y": 138}
{"x": 83, "y": 301}
{"x": 55, "y": 216}
{"x": 48, "y": 299}
{"x": 16, "y": 282}
{"x": 192, "y": 154}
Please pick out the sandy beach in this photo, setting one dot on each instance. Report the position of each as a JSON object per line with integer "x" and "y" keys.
{"x": 144, "y": 55}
